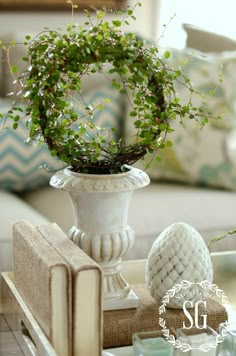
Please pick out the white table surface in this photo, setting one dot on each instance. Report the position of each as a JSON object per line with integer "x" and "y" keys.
{"x": 119, "y": 351}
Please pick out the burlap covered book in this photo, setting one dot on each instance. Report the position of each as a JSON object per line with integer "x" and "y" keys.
{"x": 120, "y": 325}
{"x": 43, "y": 279}
{"x": 87, "y": 316}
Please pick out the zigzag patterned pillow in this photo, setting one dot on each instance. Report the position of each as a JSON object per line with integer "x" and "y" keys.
{"x": 20, "y": 163}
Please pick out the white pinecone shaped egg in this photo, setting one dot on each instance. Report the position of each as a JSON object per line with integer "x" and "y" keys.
{"x": 179, "y": 253}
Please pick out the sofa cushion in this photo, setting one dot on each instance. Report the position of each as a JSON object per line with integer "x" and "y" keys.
{"x": 152, "y": 209}
{"x": 13, "y": 209}
{"x": 53, "y": 203}
{"x": 202, "y": 156}
{"x": 206, "y": 41}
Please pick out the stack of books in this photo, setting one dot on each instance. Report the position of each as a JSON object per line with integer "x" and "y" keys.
{"x": 61, "y": 286}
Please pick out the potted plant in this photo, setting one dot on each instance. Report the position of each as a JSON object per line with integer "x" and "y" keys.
{"x": 99, "y": 175}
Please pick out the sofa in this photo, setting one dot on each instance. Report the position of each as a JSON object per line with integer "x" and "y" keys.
{"x": 195, "y": 181}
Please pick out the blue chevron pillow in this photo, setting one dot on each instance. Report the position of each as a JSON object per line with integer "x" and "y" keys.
{"x": 20, "y": 163}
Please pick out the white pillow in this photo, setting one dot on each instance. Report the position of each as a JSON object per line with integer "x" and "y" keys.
{"x": 206, "y": 41}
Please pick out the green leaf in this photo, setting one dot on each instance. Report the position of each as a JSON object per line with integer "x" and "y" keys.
{"x": 116, "y": 85}
{"x": 53, "y": 152}
{"x": 167, "y": 54}
{"x": 116, "y": 23}
{"x": 100, "y": 15}
{"x": 137, "y": 123}
{"x": 169, "y": 143}
{"x": 82, "y": 130}
{"x": 14, "y": 69}
{"x": 99, "y": 37}
{"x": 158, "y": 158}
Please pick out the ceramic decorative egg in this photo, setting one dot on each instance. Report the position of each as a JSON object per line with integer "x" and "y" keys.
{"x": 178, "y": 254}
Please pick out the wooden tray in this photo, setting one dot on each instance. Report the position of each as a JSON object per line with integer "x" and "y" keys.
{"x": 22, "y": 323}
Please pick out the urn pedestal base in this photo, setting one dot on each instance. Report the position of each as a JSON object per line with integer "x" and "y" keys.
{"x": 117, "y": 292}
{"x": 130, "y": 302}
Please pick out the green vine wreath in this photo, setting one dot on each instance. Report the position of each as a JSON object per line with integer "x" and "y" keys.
{"x": 51, "y": 88}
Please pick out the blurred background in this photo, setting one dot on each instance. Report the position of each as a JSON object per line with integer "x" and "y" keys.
{"x": 20, "y": 17}
{"x": 160, "y": 20}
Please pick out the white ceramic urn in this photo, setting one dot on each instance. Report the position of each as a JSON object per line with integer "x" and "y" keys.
{"x": 101, "y": 204}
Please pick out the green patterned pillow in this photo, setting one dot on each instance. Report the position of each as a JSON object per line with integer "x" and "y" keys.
{"x": 20, "y": 163}
{"x": 203, "y": 156}
{"x": 210, "y": 72}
